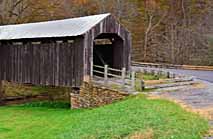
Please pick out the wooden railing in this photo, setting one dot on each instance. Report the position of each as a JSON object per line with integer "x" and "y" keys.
{"x": 127, "y": 78}
{"x": 171, "y": 66}
{"x": 156, "y": 65}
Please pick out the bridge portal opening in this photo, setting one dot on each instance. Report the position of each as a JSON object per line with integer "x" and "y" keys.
{"x": 108, "y": 50}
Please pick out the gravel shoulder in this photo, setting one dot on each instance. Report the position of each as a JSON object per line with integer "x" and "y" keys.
{"x": 196, "y": 96}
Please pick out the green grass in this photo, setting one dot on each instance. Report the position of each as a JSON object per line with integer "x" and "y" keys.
{"x": 136, "y": 114}
{"x": 47, "y": 104}
{"x": 149, "y": 76}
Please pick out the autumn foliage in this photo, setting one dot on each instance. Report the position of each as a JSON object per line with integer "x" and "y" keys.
{"x": 165, "y": 31}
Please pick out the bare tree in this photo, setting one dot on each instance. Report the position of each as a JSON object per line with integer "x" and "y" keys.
{"x": 153, "y": 17}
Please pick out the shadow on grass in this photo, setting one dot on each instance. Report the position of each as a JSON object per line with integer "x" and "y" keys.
{"x": 46, "y": 104}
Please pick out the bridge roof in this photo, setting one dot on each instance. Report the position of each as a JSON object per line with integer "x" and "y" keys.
{"x": 57, "y": 28}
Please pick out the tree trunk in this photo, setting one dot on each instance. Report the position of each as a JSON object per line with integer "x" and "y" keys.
{"x": 145, "y": 46}
{"x": 172, "y": 44}
{"x": 146, "y": 37}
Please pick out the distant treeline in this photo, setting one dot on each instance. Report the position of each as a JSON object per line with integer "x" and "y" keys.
{"x": 164, "y": 31}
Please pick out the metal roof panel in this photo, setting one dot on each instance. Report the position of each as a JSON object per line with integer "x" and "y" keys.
{"x": 57, "y": 28}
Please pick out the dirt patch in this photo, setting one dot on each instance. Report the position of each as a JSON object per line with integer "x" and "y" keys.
{"x": 149, "y": 134}
{"x": 156, "y": 82}
{"x": 14, "y": 93}
{"x": 199, "y": 86}
{"x": 22, "y": 100}
{"x": 210, "y": 133}
{"x": 191, "y": 67}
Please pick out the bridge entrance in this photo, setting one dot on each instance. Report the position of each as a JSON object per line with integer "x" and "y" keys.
{"x": 108, "y": 50}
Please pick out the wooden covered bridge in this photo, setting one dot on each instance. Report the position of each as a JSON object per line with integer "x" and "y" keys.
{"x": 62, "y": 52}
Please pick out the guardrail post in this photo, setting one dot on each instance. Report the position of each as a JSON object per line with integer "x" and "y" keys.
{"x": 144, "y": 71}
{"x": 123, "y": 76}
{"x": 142, "y": 85}
{"x": 168, "y": 74}
{"x": 173, "y": 75}
{"x": 153, "y": 72}
{"x": 159, "y": 73}
{"x": 105, "y": 74}
{"x": 133, "y": 80}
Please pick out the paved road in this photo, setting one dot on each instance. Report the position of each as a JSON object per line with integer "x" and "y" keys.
{"x": 197, "y": 98}
{"x": 202, "y": 75}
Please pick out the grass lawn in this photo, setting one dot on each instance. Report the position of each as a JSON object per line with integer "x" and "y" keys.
{"x": 149, "y": 76}
{"x": 149, "y": 80}
{"x": 135, "y": 116}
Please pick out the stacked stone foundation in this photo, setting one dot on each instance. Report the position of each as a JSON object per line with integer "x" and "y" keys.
{"x": 90, "y": 96}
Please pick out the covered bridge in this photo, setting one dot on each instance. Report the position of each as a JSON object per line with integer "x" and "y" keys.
{"x": 62, "y": 52}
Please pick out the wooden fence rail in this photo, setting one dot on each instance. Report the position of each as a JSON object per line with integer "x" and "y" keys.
{"x": 172, "y": 66}
{"x": 127, "y": 78}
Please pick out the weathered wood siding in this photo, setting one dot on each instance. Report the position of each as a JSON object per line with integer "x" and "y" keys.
{"x": 57, "y": 64}
{"x": 60, "y": 64}
{"x": 108, "y": 25}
